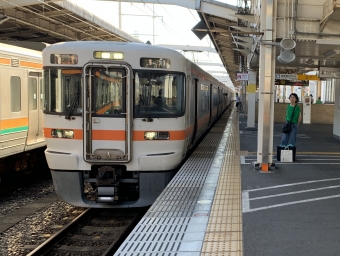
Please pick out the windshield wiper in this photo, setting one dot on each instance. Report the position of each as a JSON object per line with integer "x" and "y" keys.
{"x": 71, "y": 108}
{"x": 146, "y": 109}
{"x": 73, "y": 103}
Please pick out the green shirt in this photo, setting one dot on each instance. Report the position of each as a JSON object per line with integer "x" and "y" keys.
{"x": 318, "y": 102}
{"x": 289, "y": 112}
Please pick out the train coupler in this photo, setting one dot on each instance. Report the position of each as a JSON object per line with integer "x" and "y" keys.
{"x": 105, "y": 194}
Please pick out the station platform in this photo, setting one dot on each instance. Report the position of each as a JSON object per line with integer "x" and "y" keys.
{"x": 218, "y": 204}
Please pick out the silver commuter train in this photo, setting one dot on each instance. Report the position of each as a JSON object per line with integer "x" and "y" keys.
{"x": 121, "y": 117}
{"x": 22, "y": 141}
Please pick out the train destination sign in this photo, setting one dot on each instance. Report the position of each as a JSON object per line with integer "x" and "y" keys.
{"x": 286, "y": 76}
{"x": 291, "y": 83}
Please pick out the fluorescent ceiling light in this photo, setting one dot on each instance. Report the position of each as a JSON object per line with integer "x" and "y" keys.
{"x": 327, "y": 41}
{"x": 310, "y": 61}
{"x": 331, "y": 53}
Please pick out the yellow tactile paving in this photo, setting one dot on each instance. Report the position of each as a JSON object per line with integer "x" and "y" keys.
{"x": 221, "y": 254}
{"x": 226, "y": 246}
{"x": 223, "y": 236}
{"x": 231, "y": 219}
{"x": 227, "y": 196}
{"x": 224, "y": 230}
{"x": 243, "y": 153}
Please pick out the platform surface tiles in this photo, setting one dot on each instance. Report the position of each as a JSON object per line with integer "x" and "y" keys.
{"x": 200, "y": 211}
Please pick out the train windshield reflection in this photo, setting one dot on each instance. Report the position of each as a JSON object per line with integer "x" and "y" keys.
{"x": 63, "y": 91}
{"x": 159, "y": 94}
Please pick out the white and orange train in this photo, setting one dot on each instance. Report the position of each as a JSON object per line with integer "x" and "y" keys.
{"x": 120, "y": 118}
{"x": 22, "y": 141}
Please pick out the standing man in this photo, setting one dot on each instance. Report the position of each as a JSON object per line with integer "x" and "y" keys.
{"x": 319, "y": 101}
{"x": 238, "y": 100}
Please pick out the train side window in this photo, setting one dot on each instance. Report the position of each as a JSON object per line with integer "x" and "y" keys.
{"x": 32, "y": 93}
{"x": 204, "y": 98}
{"x": 15, "y": 94}
{"x": 42, "y": 93}
{"x": 215, "y": 96}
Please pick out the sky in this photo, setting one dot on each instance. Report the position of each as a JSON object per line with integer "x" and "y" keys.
{"x": 159, "y": 24}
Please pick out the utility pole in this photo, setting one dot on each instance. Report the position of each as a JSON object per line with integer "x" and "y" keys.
{"x": 135, "y": 15}
{"x": 153, "y": 24}
{"x": 120, "y": 14}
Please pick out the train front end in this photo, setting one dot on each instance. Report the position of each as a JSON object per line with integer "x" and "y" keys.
{"x": 114, "y": 119}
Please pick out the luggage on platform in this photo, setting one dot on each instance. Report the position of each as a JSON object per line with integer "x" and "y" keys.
{"x": 278, "y": 153}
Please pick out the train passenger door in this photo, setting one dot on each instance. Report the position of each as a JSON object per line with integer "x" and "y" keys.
{"x": 107, "y": 115}
{"x": 194, "y": 110}
{"x": 211, "y": 103}
{"x": 35, "y": 130}
{"x": 219, "y": 104}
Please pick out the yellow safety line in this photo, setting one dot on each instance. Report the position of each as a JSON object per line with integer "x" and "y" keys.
{"x": 305, "y": 153}
{"x": 224, "y": 231}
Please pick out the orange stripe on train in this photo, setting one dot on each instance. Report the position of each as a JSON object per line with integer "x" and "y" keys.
{"x": 30, "y": 64}
{"x": 14, "y": 122}
{"x": 108, "y": 135}
{"x": 5, "y": 61}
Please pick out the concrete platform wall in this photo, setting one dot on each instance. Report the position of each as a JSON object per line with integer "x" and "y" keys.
{"x": 321, "y": 113}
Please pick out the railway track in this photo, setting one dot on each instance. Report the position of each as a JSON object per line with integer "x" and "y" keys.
{"x": 93, "y": 232}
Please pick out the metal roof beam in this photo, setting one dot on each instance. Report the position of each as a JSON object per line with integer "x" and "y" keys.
{"x": 95, "y": 19}
{"x": 15, "y": 3}
{"x": 220, "y": 21}
{"x": 217, "y": 72}
{"x": 246, "y": 45}
{"x": 223, "y": 38}
{"x": 19, "y": 32}
{"x": 210, "y": 64}
{"x": 57, "y": 13}
{"x": 247, "y": 39}
{"x": 46, "y": 30}
{"x": 189, "y": 48}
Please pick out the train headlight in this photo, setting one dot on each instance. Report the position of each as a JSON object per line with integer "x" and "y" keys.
{"x": 156, "y": 135}
{"x": 108, "y": 55}
{"x": 60, "y": 133}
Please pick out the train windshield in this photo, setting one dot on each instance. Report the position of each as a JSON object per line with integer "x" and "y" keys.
{"x": 63, "y": 91}
{"x": 159, "y": 94}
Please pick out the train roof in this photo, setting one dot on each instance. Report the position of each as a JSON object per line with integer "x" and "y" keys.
{"x": 108, "y": 46}
{"x": 16, "y": 50}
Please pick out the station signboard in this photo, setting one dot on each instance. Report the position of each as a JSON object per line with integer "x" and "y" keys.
{"x": 241, "y": 76}
{"x": 308, "y": 77}
{"x": 325, "y": 72}
{"x": 296, "y": 77}
{"x": 286, "y": 76}
{"x": 291, "y": 83}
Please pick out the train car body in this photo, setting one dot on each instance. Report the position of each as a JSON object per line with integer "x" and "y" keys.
{"x": 22, "y": 140}
{"x": 121, "y": 117}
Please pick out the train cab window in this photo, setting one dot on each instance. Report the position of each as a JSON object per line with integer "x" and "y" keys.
{"x": 108, "y": 89}
{"x": 15, "y": 94}
{"x": 159, "y": 94}
{"x": 62, "y": 91}
{"x": 32, "y": 93}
